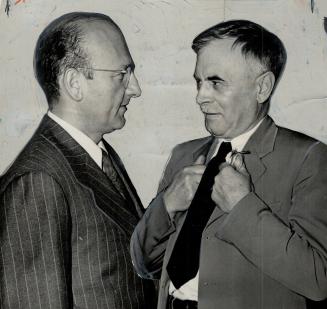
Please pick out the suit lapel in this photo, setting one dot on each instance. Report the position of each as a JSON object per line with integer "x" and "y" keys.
{"x": 134, "y": 199}
{"x": 107, "y": 198}
{"x": 203, "y": 148}
{"x": 255, "y": 166}
{"x": 88, "y": 173}
{"x": 259, "y": 145}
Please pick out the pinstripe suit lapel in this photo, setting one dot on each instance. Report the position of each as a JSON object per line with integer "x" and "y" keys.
{"x": 127, "y": 181}
{"x": 107, "y": 198}
{"x": 88, "y": 173}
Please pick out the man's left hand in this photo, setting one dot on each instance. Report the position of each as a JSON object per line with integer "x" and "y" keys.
{"x": 231, "y": 184}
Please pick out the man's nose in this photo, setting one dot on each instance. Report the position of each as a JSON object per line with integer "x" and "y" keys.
{"x": 133, "y": 88}
{"x": 204, "y": 94}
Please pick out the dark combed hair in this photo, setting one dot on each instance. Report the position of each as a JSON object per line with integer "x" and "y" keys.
{"x": 254, "y": 40}
{"x": 59, "y": 48}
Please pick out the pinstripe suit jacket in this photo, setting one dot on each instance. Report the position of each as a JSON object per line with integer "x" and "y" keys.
{"x": 65, "y": 230}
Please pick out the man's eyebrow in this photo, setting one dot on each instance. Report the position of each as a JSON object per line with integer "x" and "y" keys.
{"x": 214, "y": 77}
{"x": 196, "y": 77}
{"x": 210, "y": 78}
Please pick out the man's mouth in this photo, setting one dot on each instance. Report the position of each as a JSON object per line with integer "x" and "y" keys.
{"x": 211, "y": 113}
{"x": 124, "y": 105}
{"x": 207, "y": 111}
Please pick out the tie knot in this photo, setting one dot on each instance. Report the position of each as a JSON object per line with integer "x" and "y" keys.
{"x": 220, "y": 157}
{"x": 225, "y": 147}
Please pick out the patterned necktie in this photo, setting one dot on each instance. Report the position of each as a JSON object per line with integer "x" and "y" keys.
{"x": 183, "y": 264}
{"x": 109, "y": 169}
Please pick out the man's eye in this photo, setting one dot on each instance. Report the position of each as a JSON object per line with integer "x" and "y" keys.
{"x": 216, "y": 84}
{"x": 198, "y": 84}
{"x": 121, "y": 75}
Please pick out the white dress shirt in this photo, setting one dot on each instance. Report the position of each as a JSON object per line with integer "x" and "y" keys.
{"x": 190, "y": 289}
{"x": 82, "y": 139}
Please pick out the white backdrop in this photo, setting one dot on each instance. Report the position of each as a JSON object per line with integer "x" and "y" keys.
{"x": 159, "y": 35}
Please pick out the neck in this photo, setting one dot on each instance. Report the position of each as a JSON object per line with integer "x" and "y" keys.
{"x": 262, "y": 113}
{"x": 77, "y": 120}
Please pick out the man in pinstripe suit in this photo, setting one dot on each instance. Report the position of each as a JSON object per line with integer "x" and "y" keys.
{"x": 67, "y": 205}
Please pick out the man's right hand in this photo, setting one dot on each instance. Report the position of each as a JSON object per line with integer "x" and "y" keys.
{"x": 180, "y": 193}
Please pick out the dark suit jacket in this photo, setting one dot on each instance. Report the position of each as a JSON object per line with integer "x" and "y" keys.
{"x": 270, "y": 251}
{"x": 65, "y": 230}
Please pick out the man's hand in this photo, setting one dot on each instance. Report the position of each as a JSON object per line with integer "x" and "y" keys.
{"x": 231, "y": 184}
{"x": 180, "y": 193}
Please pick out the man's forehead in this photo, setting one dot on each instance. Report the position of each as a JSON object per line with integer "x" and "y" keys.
{"x": 102, "y": 33}
{"x": 223, "y": 54}
{"x": 106, "y": 43}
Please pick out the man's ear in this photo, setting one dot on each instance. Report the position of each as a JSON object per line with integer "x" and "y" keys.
{"x": 72, "y": 82}
{"x": 265, "y": 84}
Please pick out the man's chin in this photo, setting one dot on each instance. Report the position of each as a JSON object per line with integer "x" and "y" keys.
{"x": 214, "y": 128}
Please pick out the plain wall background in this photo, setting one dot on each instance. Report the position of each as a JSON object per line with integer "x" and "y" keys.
{"x": 159, "y": 35}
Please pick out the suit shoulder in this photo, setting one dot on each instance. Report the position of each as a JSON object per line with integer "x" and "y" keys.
{"x": 296, "y": 138}
{"x": 38, "y": 156}
{"x": 18, "y": 179}
{"x": 300, "y": 145}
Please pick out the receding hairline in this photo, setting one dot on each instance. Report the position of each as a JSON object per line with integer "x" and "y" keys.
{"x": 84, "y": 23}
{"x": 87, "y": 24}
{"x": 88, "y": 28}
{"x": 67, "y": 34}
{"x": 254, "y": 63}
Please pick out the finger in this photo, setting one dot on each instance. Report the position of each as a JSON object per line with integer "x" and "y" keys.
{"x": 214, "y": 195}
{"x": 242, "y": 169}
{"x": 238, "y": 164}
{"x": 223, "y": 165}
{"x": 194, "y": 179}
{"x": 200, "y": 160}
{"x": 191, "y": 182}
{"x": 195, "y": 169}
{"x": 229, "y": 157}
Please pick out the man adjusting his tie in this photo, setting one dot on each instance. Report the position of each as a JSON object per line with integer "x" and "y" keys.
{"x": 240, "y": 219}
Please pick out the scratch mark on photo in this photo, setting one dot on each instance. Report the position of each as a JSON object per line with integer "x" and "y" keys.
{"x": 312, "y": 5}
{"x": 7, "y": 7}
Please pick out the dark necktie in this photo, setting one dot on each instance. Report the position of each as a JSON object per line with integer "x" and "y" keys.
{"x": 109, "y": 169}
{"x": 183, "y": 264}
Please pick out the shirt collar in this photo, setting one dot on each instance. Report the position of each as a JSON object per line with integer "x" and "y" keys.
{"x": 82, "y": 139}
{"x": 237, "y": 142}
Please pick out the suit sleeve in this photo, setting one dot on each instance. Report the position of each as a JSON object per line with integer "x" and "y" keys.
{"x": 150, "y": 237}
{"x": 294, "y": 254}
{"x": 35, "y": 244}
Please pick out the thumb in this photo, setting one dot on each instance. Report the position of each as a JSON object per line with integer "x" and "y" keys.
{"x": 200, "y": 160}
{"x": 238, "y": 163}
{"x": 223, "y": 165}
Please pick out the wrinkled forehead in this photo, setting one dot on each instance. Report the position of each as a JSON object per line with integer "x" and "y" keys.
{"x": 223, "y": 55}
{"x": 106, "y": 45}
